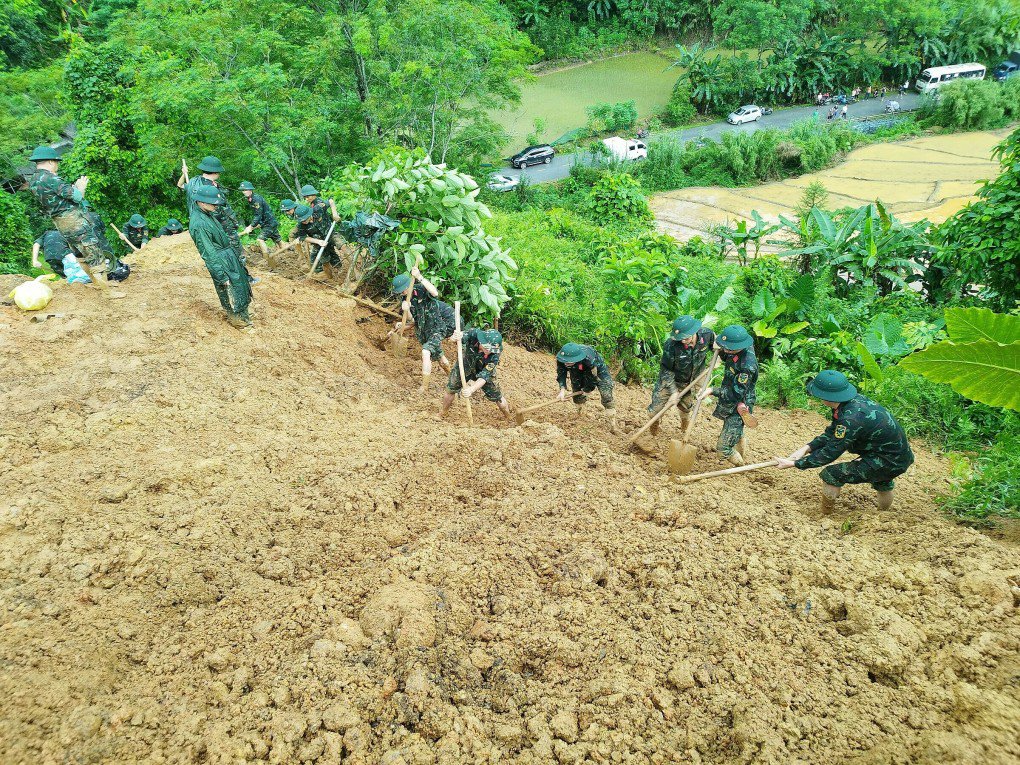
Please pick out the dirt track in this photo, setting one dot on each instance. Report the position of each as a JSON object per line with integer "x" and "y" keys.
{"x": 225, "y": 548}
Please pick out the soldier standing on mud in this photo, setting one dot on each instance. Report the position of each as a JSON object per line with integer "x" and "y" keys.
{"x": 859, "y": 426}
{"x": 432, "y": 319}
{"x": 481, "y": 349}
{"x": 228, "y": 273}
{"x": 587, "y": 371}
{"x": 54, "y": 248}
{"x": 736, "y": 394}
{"x": 136, "y": 231}
{"x": 262, "y": 218}
{"x": 65, "y": 204}
{"x": 684, "y": 357}
{"x": 172, "y": 228}
{"x": 314, "y": 229}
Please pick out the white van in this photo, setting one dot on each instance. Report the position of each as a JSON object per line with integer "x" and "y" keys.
{"x": 626, "y": 148}
{"x": 932, "y": 77}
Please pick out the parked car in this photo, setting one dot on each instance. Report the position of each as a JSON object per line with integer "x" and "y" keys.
{"x": 499, "y": 182}
{"x": 533, "y": 155}
{"x": 748, "y": 113}
{"x": 1008, "y": 68}
{"x": 626, "y": 148}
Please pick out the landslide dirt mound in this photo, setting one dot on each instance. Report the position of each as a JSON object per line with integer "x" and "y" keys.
{"x": 225, "y": 548}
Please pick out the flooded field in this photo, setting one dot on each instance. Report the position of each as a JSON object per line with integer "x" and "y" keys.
{"x": 929, "y": 177}
{"x": 560, "y": 97}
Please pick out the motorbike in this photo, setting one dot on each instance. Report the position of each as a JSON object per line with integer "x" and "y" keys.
{"x": 891, "y": 107}
{"x": 642, "y": 133}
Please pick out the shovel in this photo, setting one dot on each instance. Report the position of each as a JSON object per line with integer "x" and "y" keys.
{"x": 727, "y": 471}
{"x": 126, "y": 240}
{"x": 398, "y": 343}
{"x": 460, "y": 360}
{"x": 681, "y": 454}
{"x": 321, "y": 250}
{"x": 670, "y": 403}
{"x": 519, "y": 416}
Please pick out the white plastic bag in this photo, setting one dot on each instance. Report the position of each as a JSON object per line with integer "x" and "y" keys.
{"x": 73, "y": 272}
{"x": 33, "y": 295}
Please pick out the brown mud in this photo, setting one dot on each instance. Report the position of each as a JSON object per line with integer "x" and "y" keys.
{"x": 219, "y": 547}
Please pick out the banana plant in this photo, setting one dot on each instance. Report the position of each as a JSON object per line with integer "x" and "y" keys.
{"x": 742, "y": 235}
{"x": 773, "y": 328}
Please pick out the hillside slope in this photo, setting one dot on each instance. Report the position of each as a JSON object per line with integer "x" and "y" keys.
{"x": 223, "y": 548}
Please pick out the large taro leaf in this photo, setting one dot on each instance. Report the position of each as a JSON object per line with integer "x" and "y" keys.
{"x": 966, "y": 325}
{"x": 983, "y": 371}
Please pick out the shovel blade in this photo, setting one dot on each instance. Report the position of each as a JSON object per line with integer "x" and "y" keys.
{"x": 398, "y": 345}
{"x": 519, "y": 418}
{"x": 681, "y": 457}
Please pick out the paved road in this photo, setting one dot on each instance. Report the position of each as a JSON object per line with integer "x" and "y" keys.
{"x": 560, "y": 166}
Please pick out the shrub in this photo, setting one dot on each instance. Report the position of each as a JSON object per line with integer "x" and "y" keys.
{"x": 618, "y": 198}
{"x": 679, "y": 109}
{"x": 969, "y": 105}
{"x": 604, "y": 117}
{"x": 15, "y": 236}
{"x": 992, "y": 480}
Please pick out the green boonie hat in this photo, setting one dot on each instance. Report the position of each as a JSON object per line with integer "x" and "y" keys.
{"x": 571, "y": 353}
{"x": 831, "y": 386}
{"x": 287, "y": 205}
{"x": 490, "y": 339}
{"x": 735, "y": 338}
{"x": 400, "y": 283}
{"x": 246, "y": 186}
{"x": 208, "y": 194}
{"x": 174, "y": 223}
{"x": 136, "y": 221}
{"x": 684, "y": 327}
{"x": 308, "y": 190}
{"x": 210, "y": 165}
{"x": 303, "y": 212}
{"x": 43, "y": 153}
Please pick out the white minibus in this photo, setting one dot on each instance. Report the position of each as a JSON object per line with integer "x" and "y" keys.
{"x": 932, "y": 77}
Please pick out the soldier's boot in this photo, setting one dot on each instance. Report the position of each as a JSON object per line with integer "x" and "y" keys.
{"x": 829, "y": 496}
{"x": 742, "y": 447}
{"x": 238, "y": 321}
{"x": 885, "y": 500}
{"x": 504, "y": 407}
{"x": 424, "y": 383}
{"x": 444, "y": 363}
{"x": 735, "y": 458}
{"x": 610, "y": 415}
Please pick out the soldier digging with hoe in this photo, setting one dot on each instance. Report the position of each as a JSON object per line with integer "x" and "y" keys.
{"x": 262, "y": 218}
{"x": 482, "y": 349}
{"x": 587, "y": 371}
{"x": 859, "y": 426}
{"x": 684, "y": 357}
{"x": 431, "y": 318}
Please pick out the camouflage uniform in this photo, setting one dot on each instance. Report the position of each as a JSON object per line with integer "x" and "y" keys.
{"x": 739, "y": 378}
{"x": 65, "y": 205}
{"x": 264, "y": 219}
{"x": 54, "y": 248}
{"x": 220, "y": 257}
{"x": 317, "y": 227}
{"x": 865, "y": 428}
{"x": 587, "y": 375}
{"x": 166, "y": 231}
{"x": 324, "y": 218}
{"x": 99, "y": 230}
{"x": 224, "y": 212}
{"x": 477, "y": 366}
{"x": 678, "y": 367}
{"x": 137, "y": 236}
{"x": 433, "y": 320}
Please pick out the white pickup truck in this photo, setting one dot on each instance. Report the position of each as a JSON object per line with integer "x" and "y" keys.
{"x": 626, "y": 148}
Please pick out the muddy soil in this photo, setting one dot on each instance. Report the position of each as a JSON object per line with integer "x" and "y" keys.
{"x": 931, "y": 177}
{"x": 218, "y": 547}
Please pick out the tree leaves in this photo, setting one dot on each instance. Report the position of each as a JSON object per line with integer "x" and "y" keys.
{"x": 983, "y": 370}
{"x": 966, "y": 325}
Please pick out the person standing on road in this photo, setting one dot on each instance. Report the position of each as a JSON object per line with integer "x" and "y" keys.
{"x": 481, "y": 349}
{"x": 433, "y": 320}
{"x": 230, "y": 277}
{"x": 684, "y": 357}
{"x": 587, "y": 371}
{"x": 64, "y": 203}
{"x": 843, "y": 112}
{"x": 736, "y": 393}
{"x": 859, "y": 426}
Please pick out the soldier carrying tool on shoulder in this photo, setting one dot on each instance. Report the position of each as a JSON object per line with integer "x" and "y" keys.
{"x": 859, "y": 426}
{"x": 684, "y": 357}
{"x": 482, "y": 349}
{"x": 736, "y": 393}
{"x": 587, "y": 371}
{"x": 432, "y": 319}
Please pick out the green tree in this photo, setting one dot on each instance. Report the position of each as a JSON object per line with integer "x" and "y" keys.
{"x": 969, "y": 105}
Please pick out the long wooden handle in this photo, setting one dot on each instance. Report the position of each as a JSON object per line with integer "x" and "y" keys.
{"x": 728, "y": 471}
{"x": 665, "y": 407}
{"x": 460, "y": 360}
{"x": 406, "y": 318}
{"x": 135, "y": 249}
{"x": 370, "y": 304}
{"x": 548, "y": 403}
{"x": 697, "y": 404}
{"x": 321, "y": 250}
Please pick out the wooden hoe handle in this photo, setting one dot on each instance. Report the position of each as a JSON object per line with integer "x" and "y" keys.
{"x": 728, "y": 471}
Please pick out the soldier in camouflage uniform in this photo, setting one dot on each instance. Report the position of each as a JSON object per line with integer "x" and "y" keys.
{"x": 323, "y": 214}
{"x": 587, "y": 371}
{"x": 736, "y": 394}
{"x": 432, "y": 319}
{"x": 65, "y": 204}
{"x": 136, "y": 231}
{"x": 228, "y": 273}
{"x": 481, "y": 349}
{"x": 313, "y": 229}
{"x": 861, "y": 427}
{"x": 262, "y": 217}
{"x": 54, "y": 248}
{"x": 684, "y": 357}
{"x": 172, "y": 228}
